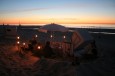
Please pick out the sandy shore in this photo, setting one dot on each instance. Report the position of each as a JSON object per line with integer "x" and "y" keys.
{"x": 12, "y": 64}
{"x": 105, "y": 64}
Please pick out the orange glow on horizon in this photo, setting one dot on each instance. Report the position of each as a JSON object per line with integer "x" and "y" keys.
{"x": 59, "y": 21}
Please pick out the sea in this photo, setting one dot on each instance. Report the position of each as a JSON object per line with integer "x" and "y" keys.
{"x": 104, "y": 26}
{"x": 94, "y": 28}
{"x": 110, "y": 27}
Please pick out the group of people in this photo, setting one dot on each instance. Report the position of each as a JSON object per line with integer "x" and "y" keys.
{"x": 32, "y": 44}
{"x": 46, "y": 51}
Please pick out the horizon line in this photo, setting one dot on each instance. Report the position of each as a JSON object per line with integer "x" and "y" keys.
{"x": 47, "y": 23}
{"x": 57, "y": 23}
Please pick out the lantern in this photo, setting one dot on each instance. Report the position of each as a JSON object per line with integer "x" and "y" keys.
{"x": 18, "y": 37}
{"x": 39, "y": 47}
{"x": 64, "y": 37}
{"x": 18, "y": 42}
{"x": 51, "y": 36}
{"x": 24, "y": 44}
{"x": 36, "y": 36}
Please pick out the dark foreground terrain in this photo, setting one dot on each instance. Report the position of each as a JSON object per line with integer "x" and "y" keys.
{"x": 13, "y": 64}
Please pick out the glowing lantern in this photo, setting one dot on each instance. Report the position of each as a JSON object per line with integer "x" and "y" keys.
{"x": 51, "y": 36}
{"x": 18, "y": 42}
{"x": 18, "y": 37}
{"x": 39, "y": 47}
{"x": 36, "y": 35}
{"x": 64, "y": 37}
{"x": 24, "y": 44}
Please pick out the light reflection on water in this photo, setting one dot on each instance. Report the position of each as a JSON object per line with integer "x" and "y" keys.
{"x": 106, "y": 26}
{"x": 109, "y": 26}
{"x": 102, "y": 33}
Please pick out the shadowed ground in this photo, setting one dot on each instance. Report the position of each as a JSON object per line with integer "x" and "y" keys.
{"x": 14, "y": 64}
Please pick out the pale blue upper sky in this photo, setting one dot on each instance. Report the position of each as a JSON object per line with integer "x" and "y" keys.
{"x": 71, "y": 9}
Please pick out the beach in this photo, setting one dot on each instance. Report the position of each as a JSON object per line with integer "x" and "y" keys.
{"x": 105, "y": 64}
{"x": 14, "y": 64}
{"x": 57, "y": 37}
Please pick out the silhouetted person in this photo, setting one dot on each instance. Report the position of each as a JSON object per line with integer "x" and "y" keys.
{"x": 34, "y": 42}
{"x": 30, "y": 47}
{"x": 48, "y": 50}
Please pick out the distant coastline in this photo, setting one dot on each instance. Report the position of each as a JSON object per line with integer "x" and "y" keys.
{"x": 89, "y": 26}
{"x": 108, "y": 29}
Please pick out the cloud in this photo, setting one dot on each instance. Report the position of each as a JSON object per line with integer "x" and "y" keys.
{"x": 22, "y": 10}
{"x": 46, "y": 8}
{"x": 59, "y": 19}
{"x": 65, "y": 6}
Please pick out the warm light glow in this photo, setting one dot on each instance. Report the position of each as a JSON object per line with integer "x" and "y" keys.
{"x": 18, "y": 42}
{"x": 39, "y": 47}
{"x": 24, "y": 44}
{"x": 81, "y": 20}
{"x": 51, "y": 36}
{"x": 18, "y": 37}
{"x": 59, "y": 12}
{"x": 36, "y": 35}
{"x": 64, "y": 37}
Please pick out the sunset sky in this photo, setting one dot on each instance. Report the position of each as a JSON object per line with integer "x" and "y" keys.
{"x": 57, "y": 11}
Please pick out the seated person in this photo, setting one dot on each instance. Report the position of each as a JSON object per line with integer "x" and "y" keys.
{"x": 33, "y": 41}
{"x": 48, "y": 50}
{"x": 32, "y": 44}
